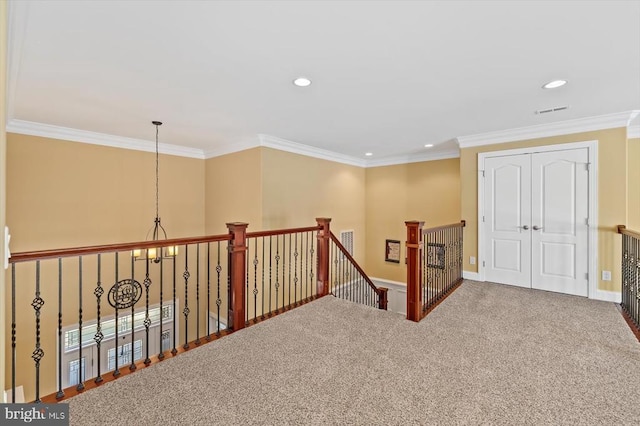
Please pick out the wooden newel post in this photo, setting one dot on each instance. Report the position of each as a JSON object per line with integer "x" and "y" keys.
{"x": 414, "y": 277}
{"x": 237, "y": 258}
{"x": 383, "y": 300}
{"x": 324, "y": 235}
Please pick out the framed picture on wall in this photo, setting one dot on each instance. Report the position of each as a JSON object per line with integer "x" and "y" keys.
{"x": 392, "y": 251}
{"x": 435, "y": 255}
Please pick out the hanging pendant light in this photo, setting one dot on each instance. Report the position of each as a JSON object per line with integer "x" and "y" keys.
{"x": 157, "y": 232}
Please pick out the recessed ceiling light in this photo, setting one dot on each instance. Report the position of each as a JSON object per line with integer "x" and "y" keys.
{"x": 369, "y": 154}
{"x": 302, "y": 82}
{"x": 554, "y": 84}
{"x": 429, "y": 145}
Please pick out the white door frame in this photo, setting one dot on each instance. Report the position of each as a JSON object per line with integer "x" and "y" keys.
{"x": 592, "y": 147}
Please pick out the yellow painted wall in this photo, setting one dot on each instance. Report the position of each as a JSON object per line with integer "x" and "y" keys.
{"x": 426, "y": 191}
{"x": 612, "y": 194}
{"x": 297, "y": 189}
{"x": 233, "y": 191}
{"x": 68, "y": 194}
{"x": 3, "y": 114}
{"x": 633, "y": 156}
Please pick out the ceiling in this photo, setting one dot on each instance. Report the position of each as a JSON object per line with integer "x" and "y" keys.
{"x": 388, "y": 76}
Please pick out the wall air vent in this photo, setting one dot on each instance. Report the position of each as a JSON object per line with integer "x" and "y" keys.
{"x": 346, "y": 238}
{"x": 554, "y": 109}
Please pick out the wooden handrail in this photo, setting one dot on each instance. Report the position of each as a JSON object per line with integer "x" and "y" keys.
{"x": 259, "y": 234}
{"x": 460, "y": 224}
{"x": 345, "y": 252}
{"x": 109, "y": 248}
{"x": 623, "y": 230}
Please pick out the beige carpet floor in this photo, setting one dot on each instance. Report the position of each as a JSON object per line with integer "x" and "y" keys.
{"x": 489, "y": 354}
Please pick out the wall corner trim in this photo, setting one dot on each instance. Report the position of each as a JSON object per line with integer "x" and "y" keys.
{"x": 68, "y": 134}
{"x": 587, "y": 124}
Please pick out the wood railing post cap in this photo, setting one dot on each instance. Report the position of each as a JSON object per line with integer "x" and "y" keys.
{"x": 237, "y": 225}
{"x": 323, "y": 219}
{"x": 414, "y": 222}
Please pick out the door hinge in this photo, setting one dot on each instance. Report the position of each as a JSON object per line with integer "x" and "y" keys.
{"x": 482, "y": 171}
{"x": 586, "y": 276}
{"x": 483, "y": 265}
{"x": 586, "y": 221}
{"x": 588, "y": 166}
{"x": 483, "y": 218}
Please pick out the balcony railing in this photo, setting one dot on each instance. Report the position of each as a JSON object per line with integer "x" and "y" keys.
{"x": 434, "y": 265}
{"x": 630, "y": 269}
{"x": 84, "y": 316}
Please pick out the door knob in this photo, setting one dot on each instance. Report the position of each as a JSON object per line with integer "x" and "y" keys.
{"x": 537, "y": 228}
{"x": 525, "y": 227}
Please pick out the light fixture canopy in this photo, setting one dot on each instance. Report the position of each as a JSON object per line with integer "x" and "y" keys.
{"x": 157, "y": 231}
{"x": 302, "y": 82}
{"x": 554, "y": 84}
{"x": 368, "y": 154}
{"x": 429, "y": 145}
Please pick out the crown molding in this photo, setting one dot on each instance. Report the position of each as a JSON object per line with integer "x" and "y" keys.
{"x": 94, "y": 138}
{"x": 588, "y": 124}
{"x": 633, "y": 132}
{"x": 392, "y": 161}
{"x": 240, "y": 145}
{"x": 269, "y": 141}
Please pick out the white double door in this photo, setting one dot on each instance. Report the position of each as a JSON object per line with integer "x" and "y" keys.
{"x": 536, "y": 223}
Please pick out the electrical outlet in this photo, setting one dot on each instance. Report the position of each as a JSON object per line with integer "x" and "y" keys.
{"x": 472, "y": 260}
{"x": 606, "y": 275}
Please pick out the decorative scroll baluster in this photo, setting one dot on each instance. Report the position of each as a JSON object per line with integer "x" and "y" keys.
{"x": 186, "y": 310}
{"x": 255, "y": 278}
{"x": 197, "y": 342}
{"x": 38, "y": 353}
{"x": 160, "y": 349}
{"x": 295, "y": 272}
{"x": 60, "y": 393}
{"x": 218, "y": 299}
{"x": 147, "y": 318}
{"x": 208, "y": 338}
{"x": 306, "y": 266}
{"x": 13, "y": 333}
{"x": 246, "y": 309}
{"x": 262, "y": 293}
{"x": 311, "y": 275}
{"x": 81, "y": 370}
{"x": 174, "y": 351}
{"x": 277, "y": 285}
{"x": 290, "y": 248}
{"x": 116, "y": 372}
{"x": 99, "y": 336}
{"x": 132, "y": 366}
{"x": 270, "y": 276}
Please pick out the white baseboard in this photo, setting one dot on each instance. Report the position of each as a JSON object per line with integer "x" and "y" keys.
{"x": 608, "y": 296}
{"x": 383, "y": 282}
{"x": 474, "y": 276}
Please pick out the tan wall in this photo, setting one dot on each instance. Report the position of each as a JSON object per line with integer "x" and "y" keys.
{"x": 633, "y": 156}
{"x": 233, "y": 191}
{"x": 67, "y": 194}
{"x": 426, "y": 191}
{"x": 298, "y": 189}
{"x": 612, "y": 194}
{"x": 3, "y": 114}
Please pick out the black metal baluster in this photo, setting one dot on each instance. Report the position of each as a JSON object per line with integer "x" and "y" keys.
{"x": 289, "y": 263}
{"x": 247, "y": 283}
{"x": 255, "y": 278}
{"x": 198, "y": 295}
{"x": 295, "y": 273}
{"x": 208, "y": 292}
{"x": 311, "y": 275}
{"x": 306, "y": 266}
{"x": 262, "y": 293}
{"x": 99, "y": 336}
{"x": 284, "y": 259}
{"x": 270, "y": 271}
{"x": 38, "y": 353}
{"x": 174, "y": 350}
{"x": 160, "y": 350}
{"x": 147, "y": 318}
{"x": 218, "y": 299}
{"x": 277, "y": 266}
{"x": 116, "y": 372}
{"x": 80, "y": 385}
{"x": 132, "y": 366}
{"x": 60, "y": 393}
{"x": 185, "y": 310}
{"x": 13, "y": 333}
